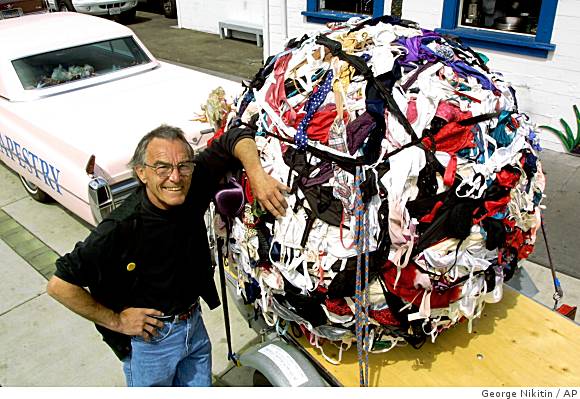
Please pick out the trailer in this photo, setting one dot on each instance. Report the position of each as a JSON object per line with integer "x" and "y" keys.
{"x": 516, "y": 342}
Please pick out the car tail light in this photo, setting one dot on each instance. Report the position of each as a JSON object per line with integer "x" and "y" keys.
{"x": 90, "y": 168}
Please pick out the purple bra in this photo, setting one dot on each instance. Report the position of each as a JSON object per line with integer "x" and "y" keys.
{"x": 229, "y": 200}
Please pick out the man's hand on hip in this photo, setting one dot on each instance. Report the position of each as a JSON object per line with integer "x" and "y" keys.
{"x": 139, "y": 321}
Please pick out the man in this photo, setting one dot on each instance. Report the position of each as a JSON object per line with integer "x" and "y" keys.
{"x": 149, "y": 262}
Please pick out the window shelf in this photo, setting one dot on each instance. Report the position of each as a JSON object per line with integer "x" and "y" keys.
{"x": 322, "y": 17}
{"x": 513, "y": 43}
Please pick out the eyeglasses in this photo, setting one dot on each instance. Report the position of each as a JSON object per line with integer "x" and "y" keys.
{"x": 164, "y": 170}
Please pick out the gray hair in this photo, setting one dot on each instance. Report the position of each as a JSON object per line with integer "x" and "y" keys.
{"x": 164, "y": 132}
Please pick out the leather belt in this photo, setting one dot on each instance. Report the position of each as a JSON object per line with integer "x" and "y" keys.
{"x": 180, "y": 316}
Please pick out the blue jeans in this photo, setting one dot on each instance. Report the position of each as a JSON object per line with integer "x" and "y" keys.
{"x": 179, "y": 356}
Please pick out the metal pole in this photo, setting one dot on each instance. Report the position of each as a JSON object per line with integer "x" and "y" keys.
{"x": 231, "y": 355}
{"x": 558, "y": 292}
{"x": 284, "y": 12}
{"x": 266, "y": 50}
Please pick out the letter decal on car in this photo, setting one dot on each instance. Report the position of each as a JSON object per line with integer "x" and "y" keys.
{"x": 3, "y": 146}
{"x": 55, "y": 177}
{"x": 10, "y": 147}
{"x": 25, "y": 154}
{"x": 30, "y": 162}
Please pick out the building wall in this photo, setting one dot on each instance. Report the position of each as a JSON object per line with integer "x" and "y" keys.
{"x": 297, "y": 25}
{"x": 204, "y": 15}
{"x": 426, "y": 13}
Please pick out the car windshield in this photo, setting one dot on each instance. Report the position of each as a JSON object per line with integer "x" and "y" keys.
{"x": 81, "y": 62}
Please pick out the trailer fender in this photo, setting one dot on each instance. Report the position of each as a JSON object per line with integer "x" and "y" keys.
{"x": 282, "y": 364}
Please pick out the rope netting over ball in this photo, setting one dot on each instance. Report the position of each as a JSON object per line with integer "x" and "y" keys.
{"x": 415, "y": 181}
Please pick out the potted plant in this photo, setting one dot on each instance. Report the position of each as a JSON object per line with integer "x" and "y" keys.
{"x": 570, "y": 141}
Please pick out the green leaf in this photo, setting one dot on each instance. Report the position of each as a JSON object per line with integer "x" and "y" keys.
{"x": 570, "y": 140}
{"x": 577, "y": 141}
{"x": 560, "y": 135}
{"x": 568, "y": 130}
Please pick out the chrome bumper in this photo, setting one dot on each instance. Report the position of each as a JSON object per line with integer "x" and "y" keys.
{"x": 105, "y": 9}
{"x": 104, "y": 198}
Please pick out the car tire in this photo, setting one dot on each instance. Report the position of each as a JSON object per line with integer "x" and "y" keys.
{"x": 169, "y": 8}
{"x": 154, "y": 5}
{"x": 65, "y": 5}
{"x": 128, "y": 16}
{"x": 33, "y": 190}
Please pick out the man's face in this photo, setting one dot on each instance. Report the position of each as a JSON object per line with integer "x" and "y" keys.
{"x": 165, "y": 192}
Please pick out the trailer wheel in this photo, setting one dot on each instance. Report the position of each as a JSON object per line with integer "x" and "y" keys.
{"x": 260, "y": 380}
{"x": 33, "y": 190}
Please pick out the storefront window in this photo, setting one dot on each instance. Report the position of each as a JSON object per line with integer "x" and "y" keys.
{"x": 354, "y": 7}
{"x": 522, "y": 27}
{"x": 505, "y": 16}
{"x": 322, "y": 11}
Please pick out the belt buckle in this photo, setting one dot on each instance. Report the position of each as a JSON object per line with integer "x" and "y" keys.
{"x": 166, "y": 319}
{"x": 188, "y": 313}
{"x": 183, "y": 316}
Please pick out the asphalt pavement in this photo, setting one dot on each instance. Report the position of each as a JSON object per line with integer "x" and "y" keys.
{"x": 237, "y": 59}
{"x": 43, "y": 344}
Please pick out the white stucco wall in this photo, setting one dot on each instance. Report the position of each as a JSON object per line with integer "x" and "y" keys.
{"x": 204, "y": 15}
{"x": 426, "y": 13}
{"x": 297, "y": 25}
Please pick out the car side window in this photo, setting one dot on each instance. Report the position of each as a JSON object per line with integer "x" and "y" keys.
{"x": 80, "y": 62}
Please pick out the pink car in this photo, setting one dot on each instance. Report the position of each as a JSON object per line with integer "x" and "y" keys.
{"x": 76, "y": 94}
